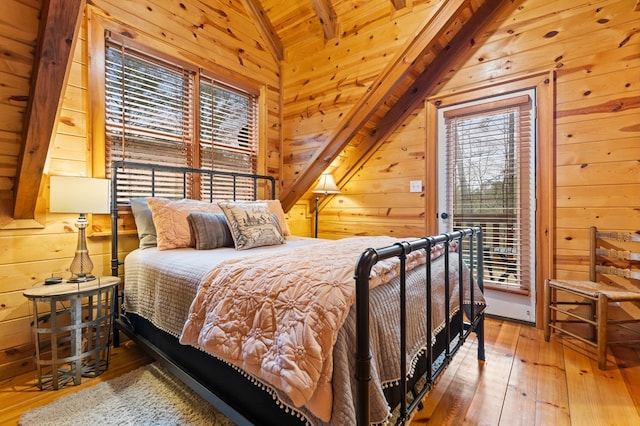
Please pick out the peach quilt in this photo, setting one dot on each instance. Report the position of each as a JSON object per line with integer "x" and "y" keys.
{"x": 277, "y": 316}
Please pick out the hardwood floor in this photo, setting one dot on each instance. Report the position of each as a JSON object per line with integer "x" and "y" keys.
{"x": 524, "y": 381}
{"x": 527, "y": 381}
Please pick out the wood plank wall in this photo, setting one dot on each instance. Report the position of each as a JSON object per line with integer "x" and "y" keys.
{"x": 594, "y": 49}
{"x": 323, "y": 79}
{"x": 226, "y": 42}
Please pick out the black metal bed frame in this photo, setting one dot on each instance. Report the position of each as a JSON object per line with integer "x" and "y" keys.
{"x": 400, "y": 250}
{"x": 435, "y": 362}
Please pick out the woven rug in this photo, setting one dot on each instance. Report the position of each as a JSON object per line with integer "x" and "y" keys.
{"x": 146, "y": 396}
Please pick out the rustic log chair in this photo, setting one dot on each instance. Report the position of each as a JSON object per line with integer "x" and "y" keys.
{"x": 605, "y": 259}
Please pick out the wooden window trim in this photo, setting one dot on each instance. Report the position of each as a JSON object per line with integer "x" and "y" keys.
{"x": 99, "y": 25}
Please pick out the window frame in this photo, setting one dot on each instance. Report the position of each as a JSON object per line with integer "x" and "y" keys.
{"x": 101, "y": 26}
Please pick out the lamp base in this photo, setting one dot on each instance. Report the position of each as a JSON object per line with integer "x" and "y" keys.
{"x": 81, "y": 265}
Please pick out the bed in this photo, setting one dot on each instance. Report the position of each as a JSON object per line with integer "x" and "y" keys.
{"x": 296, "y": 331}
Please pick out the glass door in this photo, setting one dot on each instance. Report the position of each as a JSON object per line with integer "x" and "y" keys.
{"x": 487, "y": 165}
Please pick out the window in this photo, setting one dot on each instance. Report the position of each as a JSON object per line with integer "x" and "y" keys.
{"x": 489, "y": 168}
{"x": 163, "y": 112}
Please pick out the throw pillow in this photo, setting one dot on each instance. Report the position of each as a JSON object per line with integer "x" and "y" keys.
{"x": 210, "y": 230}
{"x": 170, "y": 220}
{"x": 144, "y": 222}
{"x": 251, "y": 224}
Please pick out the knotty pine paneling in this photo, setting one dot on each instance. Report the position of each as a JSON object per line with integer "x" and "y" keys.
{"x": 597, "y": 125}
{"x": 300, "y": 220}
{"x": 11, "y": 118}
{"x": 321, "y": 85}
{"x": 211, "y": 32}
{"x": 18, "y": 20}
{"x": 617, "y": 218}
{"x": 330, "y": 229}
{"x": 594, "y": 196}
{"x": 619, "y": 172}
{"x": 597, "y": 152}
{"x": 593, "y": 49}
{"x": 199, "y": 32}
{"x": 13, "y": 89}
{"x": 376, "y": 200}
{"x": 617, "y": 126}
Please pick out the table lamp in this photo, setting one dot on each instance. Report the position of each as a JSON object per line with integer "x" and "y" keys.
{"x": 326, "y": 185}
{"x": 82, "y": 195}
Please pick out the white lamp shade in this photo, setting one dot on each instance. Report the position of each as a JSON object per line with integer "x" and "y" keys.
{"x": 326, "y": 185}
{"x": 76, "y": 194}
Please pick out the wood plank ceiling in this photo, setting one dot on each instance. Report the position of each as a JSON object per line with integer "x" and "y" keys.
{"x": 444, "y": 42}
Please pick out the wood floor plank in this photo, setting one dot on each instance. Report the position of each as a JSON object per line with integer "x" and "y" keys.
{"x": 629, "y": 365}
{"x": 457, "y": 397}
{"x": 486, "y": 406}
{"x": 520, "y": 399}
{"x": 596, "y": 394}
{"x": 552, "y": 403}
{"x": 440, "y": 390}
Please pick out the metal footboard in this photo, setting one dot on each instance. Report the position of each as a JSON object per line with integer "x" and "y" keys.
{"x": 470, "y": 246}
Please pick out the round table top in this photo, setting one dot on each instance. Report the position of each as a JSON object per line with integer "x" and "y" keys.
{"x": 70, "y": 288}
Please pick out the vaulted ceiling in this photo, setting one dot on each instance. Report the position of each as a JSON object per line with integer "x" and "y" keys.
{"x": 424, "y": 63}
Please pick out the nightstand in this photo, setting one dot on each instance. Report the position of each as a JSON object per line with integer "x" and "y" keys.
{"x": 72, "y": 329}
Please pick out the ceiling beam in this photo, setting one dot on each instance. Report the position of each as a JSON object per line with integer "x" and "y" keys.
{"x": 460, "y": 48}
{"x": 59, "y": 25}
{"x": 378, "y": 92}
{"x": 265, "y": 28}
{"x": 327, "y": 16}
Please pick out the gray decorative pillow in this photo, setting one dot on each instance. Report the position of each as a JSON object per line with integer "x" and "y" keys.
{"x": 210, "y": 230}
{"x": 251, "y": 224}
{"x": 144, "y": 222}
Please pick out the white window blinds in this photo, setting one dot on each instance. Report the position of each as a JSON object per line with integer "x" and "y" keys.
{"x": 227, "y": 136}
{"x": 490, "y": 170}
{"x": 161, "y": 112}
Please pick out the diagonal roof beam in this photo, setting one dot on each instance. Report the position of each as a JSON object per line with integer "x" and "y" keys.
{"x": 456, "y": 53}
{"x": 59, "y": 25}
{"x": 265, "y": 28}
{"x": 327, "y": 16}
{"x": 380, "y": 90}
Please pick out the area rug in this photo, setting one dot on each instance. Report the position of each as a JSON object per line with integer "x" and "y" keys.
{"x": 147, "y": 396}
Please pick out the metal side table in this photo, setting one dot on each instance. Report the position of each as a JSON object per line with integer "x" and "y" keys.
{"x": 72, "y": 329}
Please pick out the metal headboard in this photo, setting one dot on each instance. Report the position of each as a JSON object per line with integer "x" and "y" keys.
{"x": 184, "y": 173}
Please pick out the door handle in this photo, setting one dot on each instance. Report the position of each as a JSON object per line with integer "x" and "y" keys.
{"x": 444, "y": 215}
